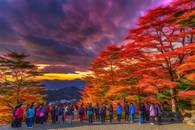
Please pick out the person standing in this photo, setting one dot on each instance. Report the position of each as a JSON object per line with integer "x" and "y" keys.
{"x": 53, "y": 114}
{"x": 97, "y": 112}
{"x": 103, "y": 113}
{"x": 110, "y": 111}
{"x": 90, "y": 113}
{"x": 30, "y": 112}
{"x": 27, "y": 107}
{"x": 70, "y": 114}
{"x": 65, "y": 112}
{"x": 81, "y": 112}
{"x": 37, "y": 113}
{"x": 60, "y": 113}
{"x": 152, "y": 113}
{"x": 34, "y": 106}
{"x": 19, "y": 115}
{"x": 132, "y": 112}
{"x": 147, "y": 112}
{"x": 86, "y": 107}
{"x": 47, "y": 111}
{"x": 76, "y": 112}
{"x": 15, "y": 120}
{"x": 42, "y": 113}
{"x": 119, "y": 110}
{"x": 126, "y": 109}
{"x": 158, "y": 113}
{"x": 141, "y": 113}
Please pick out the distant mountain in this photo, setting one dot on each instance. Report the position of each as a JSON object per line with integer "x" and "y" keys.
{"x": 59, "y": 84}
{"x": 67, "y": 93}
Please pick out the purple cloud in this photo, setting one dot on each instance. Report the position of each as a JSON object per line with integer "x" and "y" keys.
{"x": 67, "y": 32}
{"x": 59, "y": 69}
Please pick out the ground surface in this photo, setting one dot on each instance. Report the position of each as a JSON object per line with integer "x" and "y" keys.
{"x": 107, "y": 126}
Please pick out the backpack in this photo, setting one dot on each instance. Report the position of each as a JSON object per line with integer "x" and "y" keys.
{"x": 41, "y": 114}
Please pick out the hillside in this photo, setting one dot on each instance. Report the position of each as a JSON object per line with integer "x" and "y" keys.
{"x": 59, "y": 84}
{"x": 67, "y": 93}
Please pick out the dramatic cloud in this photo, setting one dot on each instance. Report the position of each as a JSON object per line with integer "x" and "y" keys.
{"x": 59, "y": 69}
{"x": 69, "y": 32}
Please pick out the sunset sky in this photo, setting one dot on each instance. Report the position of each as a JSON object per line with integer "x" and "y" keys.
{"x": 63, "y": 36}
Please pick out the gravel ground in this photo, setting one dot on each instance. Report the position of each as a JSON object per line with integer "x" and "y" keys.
{"x": 107, "y": 126}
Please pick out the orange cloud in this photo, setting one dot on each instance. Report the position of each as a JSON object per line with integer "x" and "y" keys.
{"x": 58, "y": 76}
{"x": 62, "y": 76}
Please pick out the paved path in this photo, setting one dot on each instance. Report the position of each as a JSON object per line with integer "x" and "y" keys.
{"x": 107, "y": 126}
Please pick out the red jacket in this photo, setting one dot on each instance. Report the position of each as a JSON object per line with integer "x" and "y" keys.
{"x": 19, "y": 113}
{"x": 38, "y": 112}
{"x": 47, "y": 108}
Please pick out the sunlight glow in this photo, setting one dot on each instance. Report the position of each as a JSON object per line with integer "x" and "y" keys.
{"x": 62, "y": 76}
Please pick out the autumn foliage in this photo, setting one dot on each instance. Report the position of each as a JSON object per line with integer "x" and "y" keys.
{"x": 17, "y": 84}
{"x": 159, "y": 54}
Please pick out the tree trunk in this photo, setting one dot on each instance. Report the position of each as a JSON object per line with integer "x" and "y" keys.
{"x": 173, "y": 100}
{"x": 112, "y": 74}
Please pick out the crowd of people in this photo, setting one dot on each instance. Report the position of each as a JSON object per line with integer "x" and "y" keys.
{"x": 31, "y": 114}
{"x": 67, "y": 112}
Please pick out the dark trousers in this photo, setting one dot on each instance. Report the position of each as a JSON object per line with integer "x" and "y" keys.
{"x": 132, "y": 117}
{"x": 63, "y": 118}
{"x": 46, "y": 117}
{"x": 37, "y": 120}
{"x": 152, "y": 119}
{"x": 56, "y": 118}
{"x": 141, "y": 117}
{"x": 126, "y": 116}
{"x": 16, "y": 123}
{"x": 81, "y": 116}
{"x": 147, "y": 116}
{"x": 42, "y": 120}
{"x": 119, "y": 117}
{"x": 110, "y": 117}
{"x": 90, "y": 118}
{"x": 19, "y": 122}
{"x": 29, "y": 122}
{"x": 53, "y": 118}
{"x": 34, "y": 119}
{"x": 103, "y": 118}
{"x": 158, "y": 120}
{"x": 97, "y": 116}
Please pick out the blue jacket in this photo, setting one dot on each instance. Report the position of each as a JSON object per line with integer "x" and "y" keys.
{"x": 90, "y": 111}
{"x": 132, "y": 109}
{"x": 119, "y": 109}
{"x": 30, "y": 113}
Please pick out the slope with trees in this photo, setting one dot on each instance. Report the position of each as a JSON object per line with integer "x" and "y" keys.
{"x": 17, "y": 84}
